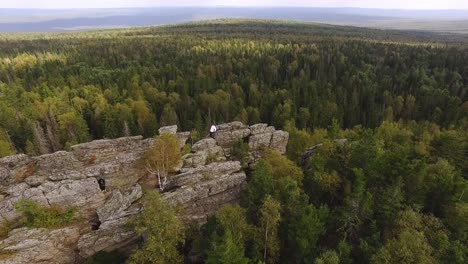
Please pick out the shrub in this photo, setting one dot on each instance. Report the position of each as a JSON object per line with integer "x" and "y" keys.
{"x": 240, "y": 151}
{"x": 5, "y": 149}
{"x": 4, "y": 230}
{"x": 103, "y": 257}
{"x": 186, "y": 150}
{"x": 163, "y": 232}
{"x": 6, "y": 226}
{"x": 35, "y": 215}
{"x": 212, "y": 157}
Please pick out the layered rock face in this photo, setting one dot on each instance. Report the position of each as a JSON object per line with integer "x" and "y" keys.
{"x": 208, "y": 179}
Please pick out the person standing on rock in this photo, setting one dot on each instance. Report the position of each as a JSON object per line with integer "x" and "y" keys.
{"x": 213, "y": 130}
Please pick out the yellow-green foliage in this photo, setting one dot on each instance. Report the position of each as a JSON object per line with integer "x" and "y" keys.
{"x": 35, "y": 215}
{"x": 282, "y": 166}
{"x": 211, "y": 158}
{"x": 162, "y": 230}
{"x": 6, "y": 227}
{"x": 76, "y": 89}
{"x": 186, "y": 150}
{"x": 165, "y": 153}
{"x": 240, "y": 150}
{"x": 6, "y": 147}
{"x": 327, "y": 181}
{"x": 4, "y": 230}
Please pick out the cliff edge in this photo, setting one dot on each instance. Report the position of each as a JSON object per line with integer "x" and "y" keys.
{"x": 208, "y": 178}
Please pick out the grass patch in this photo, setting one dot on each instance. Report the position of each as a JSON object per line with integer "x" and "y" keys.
{"x": 26, "y": 172}
{"x": 6, "y": 227}
{"x": 211, "y": 158}
{"x": 38, "y": 216}
{"x": 205, "y": 176}
{"x": 186, "y": 150}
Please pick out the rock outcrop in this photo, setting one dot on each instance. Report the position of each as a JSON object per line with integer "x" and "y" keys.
{"x": 208, "y": 179}
{"x": 40, "y": 245}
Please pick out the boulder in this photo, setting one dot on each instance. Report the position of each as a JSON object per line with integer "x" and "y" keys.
{"x": 261, "y": 128}
{"x": 98, "y": 151}
{"x": 194, "y": 160}
{"x": 118, "y": 203}
{"x": 40, "y": 245}
{"x": 203, "y": 199}
{"x": 258, "y": 141}
{"x": 279, "y": 141}
{"x": 204, "y": 145}
{"x": 84, "y": 195}
{"x": 16, "y": 193}
{"x": 195, "y": 175}
{"x": 236, "y": 125}
{"x": 203, "y": 150}
{"x": 170, "y": 129}
{"x": 111, "y": 235}
{"x": 59, "y": 166}
{"x": 260, "y": 138}
{"x": 14, "y": 161}
{"x": 183, "y": 137}
{"x": 14, "y": 169}
{"x": 230, "y": 133}
{"x": 35, "y": 180}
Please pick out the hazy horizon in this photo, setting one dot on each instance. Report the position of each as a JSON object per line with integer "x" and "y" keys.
{"x": 364, "y": 4}
{"x": 34, "y": 19}
{"x": 226, "y": 6}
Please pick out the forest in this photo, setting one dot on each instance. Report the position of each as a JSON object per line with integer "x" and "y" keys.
{"x": 393, "y": 194}
{"x": 388, "y": 108}
{"x": 57, "y": 90}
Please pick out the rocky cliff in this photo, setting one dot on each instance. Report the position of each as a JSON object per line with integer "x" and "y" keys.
{"x": 208, "y": 178}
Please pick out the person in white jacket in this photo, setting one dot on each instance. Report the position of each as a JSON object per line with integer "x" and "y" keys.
{"x": 212, "y": 130}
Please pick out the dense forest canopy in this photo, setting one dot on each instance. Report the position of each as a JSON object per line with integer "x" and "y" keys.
{"x": 61, "y": 89}
{"x": 386, "y": 110}
{"x": 393, "y": 194}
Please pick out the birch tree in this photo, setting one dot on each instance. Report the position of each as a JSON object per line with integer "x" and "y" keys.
{"x": 162, "y": 232}
{"x": 162, "y": 158}
{"x": 269, "y": 220}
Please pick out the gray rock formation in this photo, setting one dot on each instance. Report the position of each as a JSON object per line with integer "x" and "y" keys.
{"x": 40, "y": 245}
{"x": 170, "y": 129}
{"x": 118, "y": 203}
{"x": 228, "y": 134}
{"x": 279, "y": 141}
{"x": 258, "y": 137}
{"x": 202, "y": 151}
{"x": 208, "y": 178}
{"x": 111, "y": 236}
{"x": 183, "y": 136}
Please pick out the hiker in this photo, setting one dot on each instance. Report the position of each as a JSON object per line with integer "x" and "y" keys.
{"x": 212, "y": 130}
{"x": 101, "y": 181}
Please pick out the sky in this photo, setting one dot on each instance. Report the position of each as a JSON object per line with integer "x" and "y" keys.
{"x": 394, "y": 4}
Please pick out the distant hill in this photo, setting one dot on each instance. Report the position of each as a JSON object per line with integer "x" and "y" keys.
{"x": 35, "y": 20}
